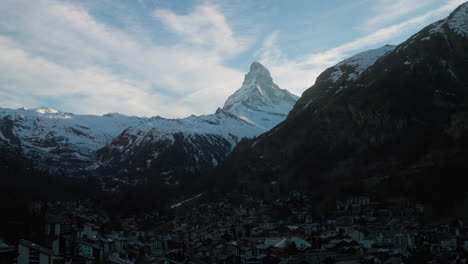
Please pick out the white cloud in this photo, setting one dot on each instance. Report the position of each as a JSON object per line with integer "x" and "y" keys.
{"x": 384, "y": 11}
{"x": 59, "y": 51}
{"x": 23, "y": 75}
{"x": 269, "y": 50}
{"x": 205, "y": 26}
{"x": 298, "y": 74}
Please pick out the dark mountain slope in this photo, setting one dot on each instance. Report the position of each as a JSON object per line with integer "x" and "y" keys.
{"x": 401, "y": 122}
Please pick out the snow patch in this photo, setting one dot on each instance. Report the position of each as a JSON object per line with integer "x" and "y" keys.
{"x": 458, "y": 21}
{"x": 45, "y": 110}
{"x": 359, "y": 63}
{"x": 336, "y": 75}
{"x": 185, "y": 201}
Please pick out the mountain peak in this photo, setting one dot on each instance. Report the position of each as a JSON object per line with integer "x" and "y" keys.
{"x": 458, "y": 20}
{"x": 259, "y": 93}
{"x": 257, "y": 74}
{"x": 258, "y": 68}
{"x": 45, "y": 110}
{"x": 257, "y": 90}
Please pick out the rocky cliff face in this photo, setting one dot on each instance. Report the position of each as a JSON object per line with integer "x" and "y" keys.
{"x": 389, "y": 117}
{"x": 260, "y": 101}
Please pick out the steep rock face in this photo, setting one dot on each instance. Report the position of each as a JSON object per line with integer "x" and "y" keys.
{"x": 398, "y": 122}
{"x": 260, "y": 101}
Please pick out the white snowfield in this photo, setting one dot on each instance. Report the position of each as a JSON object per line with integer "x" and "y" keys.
{"x": 255, "y": 108}
{"x": 46, "y": 129}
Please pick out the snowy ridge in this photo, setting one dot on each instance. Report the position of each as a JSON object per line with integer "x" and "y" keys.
{"x": 47, "y": 134}
{"x": 52, "y": 132}
{"x": 44, "y": 110}
{"x": 456, "y": 22}
{"x": 359, "y": 63}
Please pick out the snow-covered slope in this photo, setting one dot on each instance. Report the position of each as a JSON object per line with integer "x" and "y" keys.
{"x": 75, "y": 142}
{"x": 457, "y": 23}
{"x": 340, "y": 76}
{"x": 46, "y": 134}
{"x": 351, "y": 68}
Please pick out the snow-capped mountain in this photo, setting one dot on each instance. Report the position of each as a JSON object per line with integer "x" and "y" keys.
{"x": 172, "y": 148}
{"x": 178, "y": 148}
{"x": 389, "y": 122}
{"x": 260, "y": 101}
{"x": 60, "y": 139}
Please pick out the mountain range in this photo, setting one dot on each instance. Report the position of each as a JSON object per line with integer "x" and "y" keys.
{"x": 128, "y": 145}
{"x": 388, "y": 122}
{"x": 119, "y": 145}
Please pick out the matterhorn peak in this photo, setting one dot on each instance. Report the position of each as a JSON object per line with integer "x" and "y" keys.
{"x": 258, "y": 73}
{"x": 259, "y": 93}
{"x": 257, "y": 67}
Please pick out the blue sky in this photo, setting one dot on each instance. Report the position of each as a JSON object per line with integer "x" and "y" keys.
{"x": 176, "y": 58}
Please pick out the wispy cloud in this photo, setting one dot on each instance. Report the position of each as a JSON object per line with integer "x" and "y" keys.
{"x": 162, "y": 61}
{"x": 58, "y": 50}
{"x": 385, "y": 11}
{"x": 205, "y": 27}
{"x": 296, "y": 74}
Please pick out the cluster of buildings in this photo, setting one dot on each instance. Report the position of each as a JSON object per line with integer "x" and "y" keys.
{"x": 247, "y": 231}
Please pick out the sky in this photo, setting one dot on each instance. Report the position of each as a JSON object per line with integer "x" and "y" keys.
{"x": 177, "y": 58}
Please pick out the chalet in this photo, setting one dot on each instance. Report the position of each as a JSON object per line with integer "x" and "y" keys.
{"x": 309, "y": 229}
{"x": 354, "y": 234}
{"x": 89, "y": 251}
{"x": 8, "y": 253}
{"x": 115, "y": 258}
{"x": 31, "y": 253}
{"x": 246, "y": 259}
{"x": 448, "y": 242}
{"x": 118, "y": 241}
{"x": 53, "y": 225}
{"x": 403, "y": 241}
